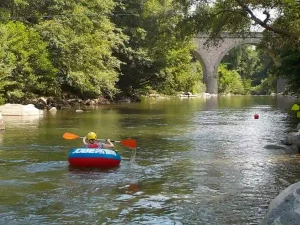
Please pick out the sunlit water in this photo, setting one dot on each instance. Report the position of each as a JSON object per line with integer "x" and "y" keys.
{"x": 198, "y": 162}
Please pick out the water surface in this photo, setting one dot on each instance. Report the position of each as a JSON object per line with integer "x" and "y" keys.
{"x": 199, "y": 161}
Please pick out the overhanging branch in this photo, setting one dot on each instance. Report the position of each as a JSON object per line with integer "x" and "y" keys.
{"x": 264, "y": 23}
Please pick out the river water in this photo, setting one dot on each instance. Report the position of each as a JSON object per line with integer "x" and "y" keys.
{"x": 198, "y": 161}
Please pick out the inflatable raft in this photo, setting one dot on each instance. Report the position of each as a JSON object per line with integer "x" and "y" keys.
{"x": 94, "y": 157}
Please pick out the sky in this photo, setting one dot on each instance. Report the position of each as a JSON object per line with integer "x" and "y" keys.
{"x": 260, "y": 15}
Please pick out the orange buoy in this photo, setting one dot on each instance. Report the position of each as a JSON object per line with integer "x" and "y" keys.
{"x": 256, "y": 116}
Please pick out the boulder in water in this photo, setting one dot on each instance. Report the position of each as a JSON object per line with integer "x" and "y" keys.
{"x": 53, "y": 110}
{"x": 290, "y": 138}
{"x": 20, "y": 110}
{"x": 285, "y": 208}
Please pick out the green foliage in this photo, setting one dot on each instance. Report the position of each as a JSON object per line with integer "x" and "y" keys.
{"x": 254, "y": 66}
{"x": 2, "y": 100}
{"x": 27, "y": 67}
{"x": 79, "y": 38}
{"x": 181, "y": 73}
{"x": 229, "y": 81}
{"x": 92, "y": 48}
{"x": 170, "y": 50}
{"x": 289, "y": 69}
{"x": 156, "y": 55}
{"x": 236, "y": 16}
{"x": 199, "y": 87}
{"x": 244, "y": 59}
{"x": 138, "y": 71}
{"x": 281, "y": 26}
{"x": 81, "y": 46}
{"x": 7, "y": 61}
{"x": 266, "y": 87}
{"x": 247, "y": 83}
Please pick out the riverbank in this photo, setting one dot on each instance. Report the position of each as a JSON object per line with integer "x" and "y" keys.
{"x": 60, "y": 103}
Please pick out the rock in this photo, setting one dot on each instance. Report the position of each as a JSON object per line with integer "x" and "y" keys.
{"x": 50, "y": 101}
{"x": 297, "y": 143}
{"x": 53, "y": 110}
{"x": 39, "y": 105}
{"x": 2, "y": 126}
{"x": 78, "y": 110}
{"x": 90, "y": 102}
{"x": 294, "y": 147}
{"x": 154, "y": 95}
{"x": 19, "y": 110}
{"x": 102, "y": 101}
{"x": 298, "y": 127}
{"x": 187, "y": 95}
{"x": 42, "y": 100}
{"x": 126, "y": 100}
{"x": 291, "y": 138}
{"x": 285, "y": 208}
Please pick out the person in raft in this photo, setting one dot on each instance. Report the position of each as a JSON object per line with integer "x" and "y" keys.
{"x": 90, "y": 141}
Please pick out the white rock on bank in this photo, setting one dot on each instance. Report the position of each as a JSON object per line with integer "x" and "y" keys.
{"x": 20, "y": 110}
{"x": 53, "y": 110}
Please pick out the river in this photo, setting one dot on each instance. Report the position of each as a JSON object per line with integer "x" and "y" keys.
{"x": 198, "y": 161}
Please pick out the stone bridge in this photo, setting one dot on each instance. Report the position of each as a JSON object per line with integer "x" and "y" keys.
{"x": 210, "y": 57}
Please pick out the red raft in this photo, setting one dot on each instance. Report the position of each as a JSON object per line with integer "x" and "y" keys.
{"x": 94, "y": 157}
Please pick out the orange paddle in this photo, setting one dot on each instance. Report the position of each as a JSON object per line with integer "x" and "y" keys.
{"x": 126, "y": 142}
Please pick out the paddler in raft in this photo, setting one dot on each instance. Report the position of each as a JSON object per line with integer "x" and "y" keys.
{"x": 90, "y": 141}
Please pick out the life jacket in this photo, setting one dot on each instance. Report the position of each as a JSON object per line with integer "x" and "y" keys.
{"x": 95, "y": 145}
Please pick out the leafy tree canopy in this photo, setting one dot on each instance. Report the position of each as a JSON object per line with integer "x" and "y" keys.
{"x": 281, "y": 23}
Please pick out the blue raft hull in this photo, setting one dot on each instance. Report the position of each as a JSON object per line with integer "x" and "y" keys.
{"x": 94, "y": 157}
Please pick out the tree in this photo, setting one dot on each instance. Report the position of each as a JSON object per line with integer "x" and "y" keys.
{"x": 156, "y": 55}
{"x": 236, "y": 16}
{"x": 26, "y": 68}
{"x": 139, "y": 72}
{"x": 244, "y": 59}
{"x": 229, "y": 81}
{"x": 253, "y": 65}
{"x": 170, "y": 49}
{"x": 281, "y": 26}
{"x": 80, "y": 39}
{"x": 7, "y": 63}
{"x": 290, "y": 68}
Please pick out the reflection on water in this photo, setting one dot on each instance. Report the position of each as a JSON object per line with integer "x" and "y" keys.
{"x": 20, "y": 124}
{"x": 22, "y": 121}
{"x": 1, "y": 136}
{"x": 199, "y": 161}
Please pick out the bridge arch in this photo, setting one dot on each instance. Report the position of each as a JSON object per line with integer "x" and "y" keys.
{"x": 211, "y": 57}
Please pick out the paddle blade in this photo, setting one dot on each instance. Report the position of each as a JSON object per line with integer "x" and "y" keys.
{"x": 129, "y": 143}
{"x": 70, "y": 136}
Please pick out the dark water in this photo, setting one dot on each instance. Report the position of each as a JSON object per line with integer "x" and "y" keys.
{"x": 198, "y": 162}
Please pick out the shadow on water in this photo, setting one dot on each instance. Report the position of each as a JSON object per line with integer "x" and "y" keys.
{"x": 90, "y": 170}
{"x": 283, "y": 147}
